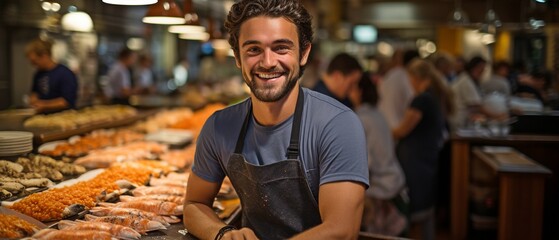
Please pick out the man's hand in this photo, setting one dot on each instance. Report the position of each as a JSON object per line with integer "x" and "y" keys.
{"x": 39, "y": 106}
{"x": 241, "y": 234}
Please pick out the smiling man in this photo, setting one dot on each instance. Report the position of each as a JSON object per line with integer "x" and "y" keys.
{"x": 296, "y": 158}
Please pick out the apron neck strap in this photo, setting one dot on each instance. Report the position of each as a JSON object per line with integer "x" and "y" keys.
{"x": 241, "y": 139}
{"x": 293, "y": 149}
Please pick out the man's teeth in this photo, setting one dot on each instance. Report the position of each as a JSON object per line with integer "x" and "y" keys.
{"x": 268, "y": 75}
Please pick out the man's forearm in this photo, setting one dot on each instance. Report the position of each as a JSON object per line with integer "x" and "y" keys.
{"x": 201, "y": 221}
{"x": 50, "y": 105}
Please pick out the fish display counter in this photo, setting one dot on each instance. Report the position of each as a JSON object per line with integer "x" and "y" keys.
{"x": 126, "y": 183}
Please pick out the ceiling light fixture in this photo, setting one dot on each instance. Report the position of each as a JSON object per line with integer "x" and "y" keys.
{"x": 458, "y": 16}
{"x": 536, "y": 23}
{"x": 165, "y": 12}
{"x": 186, "y": 29}
{"x": 491, "y": 18}
{"x": 50, "y": 6}
{"x": 77, "y": 22}
{"x": 191, "y": 18}
{"x": 200, "y": 36}
{"x": 130, "y": 2}
{"x": 189, "y": 14}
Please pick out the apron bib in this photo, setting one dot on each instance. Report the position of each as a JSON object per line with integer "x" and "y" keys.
{"x": 276, "y": 200}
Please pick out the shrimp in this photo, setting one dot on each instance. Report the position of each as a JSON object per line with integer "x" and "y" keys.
{"x": 117, "y": 231}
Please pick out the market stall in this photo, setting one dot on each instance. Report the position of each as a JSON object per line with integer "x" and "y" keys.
{"x": 94, "y": 168}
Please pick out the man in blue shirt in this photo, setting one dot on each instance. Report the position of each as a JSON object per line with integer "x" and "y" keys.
{"x": 119, "y": 87}
{"x": 343, "y": 72}
{"x": 296, "y": 158}
{"x": 55, "y": 87}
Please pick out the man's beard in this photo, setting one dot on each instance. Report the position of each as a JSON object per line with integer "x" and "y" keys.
{"x": 267, "y": 93}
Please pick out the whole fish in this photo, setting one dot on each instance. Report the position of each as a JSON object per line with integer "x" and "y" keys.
{"x": 159, "y": 190}
{"x": 140, "y": 225}
{"x": 53, "y": 234}
{"x": 166, "y": 198}
{"x": 168, "y": 182}
{"x": 115, "y": 230}
{"x": 108, "y": 211}
{"x": 154, "y": 206}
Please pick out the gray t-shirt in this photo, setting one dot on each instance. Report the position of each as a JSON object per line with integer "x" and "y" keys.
{"x": 119, "y": 78}
{"x": 332, "y": 142}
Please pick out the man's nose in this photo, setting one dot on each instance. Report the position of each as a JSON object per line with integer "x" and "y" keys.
{"x": 269, "y": 59}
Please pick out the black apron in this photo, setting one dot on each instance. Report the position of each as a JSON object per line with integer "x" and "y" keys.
{"x": 276, "y": 200}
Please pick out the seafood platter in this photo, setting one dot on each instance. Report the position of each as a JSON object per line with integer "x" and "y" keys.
{"x": 105, "y": 184}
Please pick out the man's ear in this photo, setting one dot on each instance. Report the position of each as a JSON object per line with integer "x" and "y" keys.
{"x": 305, "y": 55}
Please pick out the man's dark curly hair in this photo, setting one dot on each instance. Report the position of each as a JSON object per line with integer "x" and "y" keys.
{"x": 292, "y": 10}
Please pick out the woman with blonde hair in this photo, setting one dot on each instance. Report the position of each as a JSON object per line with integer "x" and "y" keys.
{"x": 420, "y": 138}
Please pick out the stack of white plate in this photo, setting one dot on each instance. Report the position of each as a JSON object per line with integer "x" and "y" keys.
{"x": 14, "y": 143}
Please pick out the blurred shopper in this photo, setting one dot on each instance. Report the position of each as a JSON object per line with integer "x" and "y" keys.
{"x": 55, "y": 87}
{"x": 535, "y": 87}
{"x": 218, "y": 67}
{"x": 343, "y": 72}
{"x": 498, "y": 82}
{"x": 519, "y": 74}
{"x": 119, "y": 86}
{"x": 386, "y": 178}
{"x": 395, "y": 90}
{"x": 420, "y": 136}
{"x": 144, "y": 81}
{"x": 459, "y": 65}
{"x": 445, "y": 64}
{"x": 468, "y": 98}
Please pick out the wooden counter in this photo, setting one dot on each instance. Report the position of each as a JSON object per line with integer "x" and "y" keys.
{"x": 544, "y": 149}
{"x": 521, "y": 189}
{"x": 14, "y": 122}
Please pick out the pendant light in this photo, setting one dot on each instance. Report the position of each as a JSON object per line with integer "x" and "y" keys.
{"x": 192, "y": 21}
{"x": 492, "y": 21}
{"x": 130, "y": 2}
{"x": 200, "y": 36}
{"x": 77, "y": 21}
{"x": 458, "y": 16}
{"x": 490, "y": 25}
{"x": 165, "y": 12}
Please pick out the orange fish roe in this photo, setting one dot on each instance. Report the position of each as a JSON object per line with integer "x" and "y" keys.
{"x": 49, "y": 205}
{"x": 13, "y": 227}
{"x": 197, "y": 120}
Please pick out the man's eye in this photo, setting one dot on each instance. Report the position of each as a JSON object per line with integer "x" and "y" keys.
{"x": 281, "y": 49}
{"x": 253, "y": 50}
